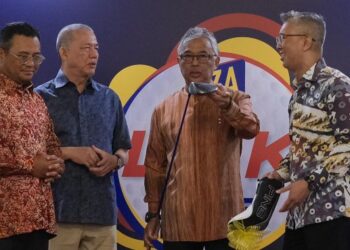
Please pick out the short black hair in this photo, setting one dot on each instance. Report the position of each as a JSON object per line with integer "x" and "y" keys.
{"x": 16, "y": 28}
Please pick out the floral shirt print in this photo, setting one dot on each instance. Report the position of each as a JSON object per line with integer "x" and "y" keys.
{"x": 320, "y": 145}
{"x": 26, "y": 202}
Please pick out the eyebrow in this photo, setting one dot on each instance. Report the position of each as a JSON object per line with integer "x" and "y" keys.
{"x": 28, "y": 53}
{"x": 200, "y": 52}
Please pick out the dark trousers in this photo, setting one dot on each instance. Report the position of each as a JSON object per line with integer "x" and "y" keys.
{"x": 37, "y": 240}
{"x": 193, "y": 245}
{"x": 330, "y": 235}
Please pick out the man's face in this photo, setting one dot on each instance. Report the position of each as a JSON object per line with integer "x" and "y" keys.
{"x": 11, "y": 63}
{"x": 198, "y": 61}
{"x": 81, "y": 56}
{"x": 290, "y": 45}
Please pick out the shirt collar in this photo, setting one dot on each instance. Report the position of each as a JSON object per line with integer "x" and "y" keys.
{"x": 11, "y": 84}
{"x": 61, "y": 80}
{"x": 311, "y": 75}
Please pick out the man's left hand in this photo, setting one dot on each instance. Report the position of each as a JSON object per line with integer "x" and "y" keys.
{"x": 298, "y": 192}
{"x": 107, "y": 163}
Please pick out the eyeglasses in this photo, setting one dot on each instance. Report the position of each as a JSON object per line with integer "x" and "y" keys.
{"x": 281, "y": 37}
{"x": 24, "y": 58}
{"x": 201, "y": 58}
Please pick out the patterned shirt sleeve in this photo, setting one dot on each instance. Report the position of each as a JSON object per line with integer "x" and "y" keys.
{"x": 11, "y": 165}
{"x": 337, "y": 163}
{"x": 156, "y": 164}
{"x": 53, "y": 144}
{"x": 11, "y": 161}
{"x": 121, "y": 137}
{"x": 241, "y": 116}
{"x": 283, "y": 169}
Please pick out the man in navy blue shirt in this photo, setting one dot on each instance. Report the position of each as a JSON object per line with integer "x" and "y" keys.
{"x": 90, "y": 123}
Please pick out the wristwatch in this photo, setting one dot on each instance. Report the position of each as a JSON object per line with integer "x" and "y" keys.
{"x": 149, "y": 216}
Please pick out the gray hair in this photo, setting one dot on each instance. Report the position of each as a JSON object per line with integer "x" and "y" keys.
{"x": 65, "y": 36}
{"x": 197, "y": 32}
{"x": 313, "y": 22}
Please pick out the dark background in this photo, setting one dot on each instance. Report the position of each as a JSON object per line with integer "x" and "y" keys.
{"x": 144, "y": 32}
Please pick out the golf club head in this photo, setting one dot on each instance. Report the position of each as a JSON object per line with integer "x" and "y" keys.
{"x": 201, "y": 88}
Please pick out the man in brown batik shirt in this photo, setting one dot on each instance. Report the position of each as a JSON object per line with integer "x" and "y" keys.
{"x": 205, "y": 189}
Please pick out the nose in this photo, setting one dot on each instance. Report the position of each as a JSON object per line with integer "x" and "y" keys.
{"x": 278, "y": 44}
{"x": 195, "y": 60}
{"x": 93, "y": 52}
{"x": 29, "y": 62}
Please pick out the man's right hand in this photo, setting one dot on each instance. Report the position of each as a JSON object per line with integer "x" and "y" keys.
{"x": 81, "y": 155}
{"x": 151, "y": 232}
{"x": 48, "y": 167}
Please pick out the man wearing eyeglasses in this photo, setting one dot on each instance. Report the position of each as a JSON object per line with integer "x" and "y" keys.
{"x": 317, "y": 165}
{"x": 29, "y": 149}
{"x": 204, "y": 189}
{"x": 90, "y": 123}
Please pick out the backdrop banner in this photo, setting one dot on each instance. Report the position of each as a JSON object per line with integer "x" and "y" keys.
{"x": 138, "y": 41}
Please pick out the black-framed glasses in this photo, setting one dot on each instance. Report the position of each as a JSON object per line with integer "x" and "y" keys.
{"x": 201, "y": 58}
{"x": 24, "y": 58}
{"x": 282, "y": 36}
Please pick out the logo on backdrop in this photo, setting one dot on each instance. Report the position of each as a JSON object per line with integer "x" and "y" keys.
{"x": 248, "y": 64}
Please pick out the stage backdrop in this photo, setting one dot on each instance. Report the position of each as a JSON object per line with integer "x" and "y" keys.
{"x": 138, "y": 60}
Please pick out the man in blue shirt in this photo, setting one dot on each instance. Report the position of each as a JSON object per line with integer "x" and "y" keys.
{"x": 90, "y": 123}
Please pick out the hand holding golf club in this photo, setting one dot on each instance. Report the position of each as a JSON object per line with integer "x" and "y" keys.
{"x": 222, "y": 97}
{"x": 218, "y": 93}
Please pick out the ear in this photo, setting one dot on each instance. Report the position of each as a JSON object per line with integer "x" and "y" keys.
{"x": 178, "y": 59}
{"x": 63, "y": 53}
{"x": 308, "y": 43}
{"x": 217, "y": 61}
